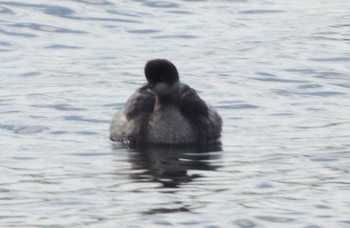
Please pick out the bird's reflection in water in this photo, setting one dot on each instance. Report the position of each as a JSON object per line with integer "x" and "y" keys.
{"x": 170, "y": 165}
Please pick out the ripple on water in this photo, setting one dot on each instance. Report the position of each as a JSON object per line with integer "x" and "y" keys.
{"x": 49, "y": 9}
{"x": 60, "y": 107}
{"x": 144, "y": 31}
{"x": 261, "y": 11}
{"x": 235, "y": 105}
{"x": 333, "y": 59}
{"x": 274, "y": 78}
{"x": 57, "y": 10}
{"x": 307, "y": 94}
{"x": 180, "y": 12}
{"x": 245, "y": 223}
{"x": 46, "y": 28}
{"x": 4, "y": 10}
{"x": 61, "y": 46}
{"x": 31, "y": 74}
{"x": 23, "y": 129}
{"x": 96, "y": 2}
{"x": 83, "y": 119}
{"x": 20, "y": 34}
{"x": 275, "y": 219}
{"x": 318, "y": 73}
{"x": 161, "y": 4}
{"x": 175, "y": 37}
{"x": 2, "y": 43}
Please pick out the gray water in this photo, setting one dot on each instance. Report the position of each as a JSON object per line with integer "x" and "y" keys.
{"x": 277, "y": 72}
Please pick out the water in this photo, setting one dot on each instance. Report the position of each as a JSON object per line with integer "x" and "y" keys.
{"x": 277, "y": 71}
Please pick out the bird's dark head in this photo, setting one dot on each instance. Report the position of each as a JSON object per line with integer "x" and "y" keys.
{"x": 162, "y": 76}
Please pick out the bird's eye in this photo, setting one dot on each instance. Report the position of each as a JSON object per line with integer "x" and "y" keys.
{"x": 162, "y": 77}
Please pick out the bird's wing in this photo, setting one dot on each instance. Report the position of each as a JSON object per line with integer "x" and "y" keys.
{"x": 191, "y": 105}
{"x": 196, "y": 111}
{"x": 136, "y": 111}
{"x": 140, "y": 105}
{"x": 204, "y": 119}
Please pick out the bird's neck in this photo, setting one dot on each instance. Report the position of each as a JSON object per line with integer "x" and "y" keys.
{"x": 165, "y": 100}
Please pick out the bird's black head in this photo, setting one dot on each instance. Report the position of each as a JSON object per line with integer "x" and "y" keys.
{"x": 162, "y": 76}
{"x": 161, "y": 70}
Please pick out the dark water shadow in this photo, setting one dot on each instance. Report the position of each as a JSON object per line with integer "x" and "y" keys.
{"x": 170, "y": 166}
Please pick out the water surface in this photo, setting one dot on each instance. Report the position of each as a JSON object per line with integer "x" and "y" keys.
{"x": 277, "y": 71}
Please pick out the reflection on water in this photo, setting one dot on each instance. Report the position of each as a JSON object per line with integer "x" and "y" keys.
{"x": 276, "y": 71}
{"x": 170, "y": 166}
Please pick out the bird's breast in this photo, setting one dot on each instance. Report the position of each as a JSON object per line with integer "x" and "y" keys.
{"x": 168, "y": 125}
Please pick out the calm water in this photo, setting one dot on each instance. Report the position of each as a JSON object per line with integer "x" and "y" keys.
{"x": 277, "y": 71}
